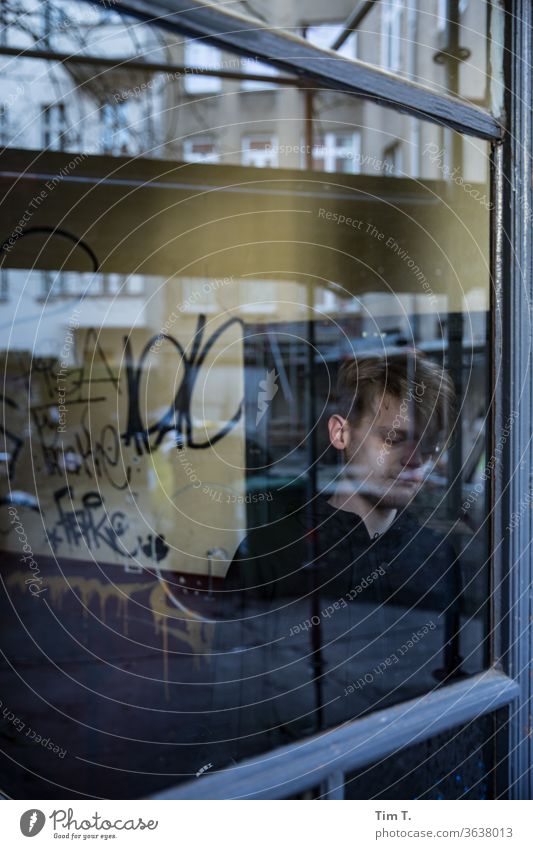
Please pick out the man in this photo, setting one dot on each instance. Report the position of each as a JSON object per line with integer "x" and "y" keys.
{"x": 347, "y": 604}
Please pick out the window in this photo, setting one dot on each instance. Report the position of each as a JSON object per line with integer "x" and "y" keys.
{"x": 324, "y": 36}
{"x": 54, "y": 121}
{"x": 393, "y": 159}
{"x": 4, "y": 285}
{"x": 391, "y": 34}
{"x": 199, "y": 54}
{"x": 207, "y": 502}
{"x": 4, "y": 124}
{"x": 268, "y": 285}
{"x": 200, "y": 149}
{"x": 260, "y": 151}
{"x": 115, "y": 130}
{"x": 337, "y": 151}
{"x": 252, "y": 66}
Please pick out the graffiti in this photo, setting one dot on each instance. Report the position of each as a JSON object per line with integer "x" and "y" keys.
{"x": 86, "y": 427}
{"x": 177, "y": 418}
{"x": 92, "y": 526}
{"x": 88, "y": 452}
{"x": 185, "y": 628}
{"x": 95, "y": 455}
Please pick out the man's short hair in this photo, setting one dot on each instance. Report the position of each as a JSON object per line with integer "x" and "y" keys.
{"x": 423, "y": 386}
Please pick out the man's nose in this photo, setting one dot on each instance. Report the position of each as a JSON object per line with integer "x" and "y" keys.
{"x": 412, "y": 456}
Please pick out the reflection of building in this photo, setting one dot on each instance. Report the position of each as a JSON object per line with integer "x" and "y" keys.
{"x": 203, "y": 118}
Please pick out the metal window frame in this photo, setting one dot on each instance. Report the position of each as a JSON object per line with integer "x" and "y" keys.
{"x": 513, "y": 297}
{"x": 508, "y": 682}
{"x": 325, "y": 758}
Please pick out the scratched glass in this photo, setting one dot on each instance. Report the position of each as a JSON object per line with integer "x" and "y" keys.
{"x": 245, "y": 480}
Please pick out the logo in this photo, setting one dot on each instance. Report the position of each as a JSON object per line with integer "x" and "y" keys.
{"x": 32, "y": 822}
{"x": 268, "y": 388}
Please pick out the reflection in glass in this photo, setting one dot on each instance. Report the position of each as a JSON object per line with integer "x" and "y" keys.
{"x": 225, "y": 371}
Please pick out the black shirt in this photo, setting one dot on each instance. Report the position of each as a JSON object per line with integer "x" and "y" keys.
{"x": 319, "y": 623}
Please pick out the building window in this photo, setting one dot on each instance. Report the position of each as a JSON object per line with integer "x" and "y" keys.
{"x": 260, "y": 151}
{"x": 252, "y": 66}
{"x": 115, "y": 131}
{"x": 391, "y": 34}
{"x": 4, "y": 125}
{"x": 393, "y": 160}
{"x": 199, "y": 54}
{"x": 54, "y": 126}
{"x": 200, "y": 149}
{"x": 324, "y": 35}
{"x": 337, "y": 152}
{"x": 4, "y": 285}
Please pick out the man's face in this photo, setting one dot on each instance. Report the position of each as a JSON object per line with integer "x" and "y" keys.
{"x": 387, "y": 458}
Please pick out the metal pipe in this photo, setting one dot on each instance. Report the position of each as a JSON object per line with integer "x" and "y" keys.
{"x": 118, "y": 63}
{"x": 356, "y": 18}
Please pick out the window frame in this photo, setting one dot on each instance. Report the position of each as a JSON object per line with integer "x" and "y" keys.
{"x": 54, "y": 126}
{"x": 392, "y": 21}
{"x": 507, "y": 682}
{"x": 260, "y": 155}
{"x": 335, "y": 151}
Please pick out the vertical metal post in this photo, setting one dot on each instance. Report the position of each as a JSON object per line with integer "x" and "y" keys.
{"x": 516, "y": 389}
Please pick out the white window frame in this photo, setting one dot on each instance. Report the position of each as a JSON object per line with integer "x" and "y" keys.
{"x": 4, "y": 125}
{"x": 393, "y": 160}
{"x": 333, "y": 151}
{"x": 54, "y": 125}
{"x": 190, "y": 155}
{"x": 200, "y": 54}
{"x": 259, "y": 158}
{"x": 115, "y": 131}
{"x": 391, "y": 34}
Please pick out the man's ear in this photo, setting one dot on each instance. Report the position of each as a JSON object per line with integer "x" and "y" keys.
{"x": 338, "y": 432}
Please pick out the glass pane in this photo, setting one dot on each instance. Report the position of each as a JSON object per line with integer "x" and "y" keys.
{"x": 457, "y": 764}
{"x": 222, "y": 377}
{"x": 443, "y": 44}
{"x": 182, "y": 89}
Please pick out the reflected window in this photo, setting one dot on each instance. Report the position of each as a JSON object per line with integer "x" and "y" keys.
{"x": 4, "y": 285}
{"x": 201, "y": 149}
{"x": 4, "y": 124}
{"x": 391, "y": 34}
{"x": 338, "y": 152}
{"x": 200, "y": 54}
{"x": 393, "y": 159}
{"x": 260, "y": 151}
{"x": 115, "y": 130}
{"x": 54, "y": 123}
